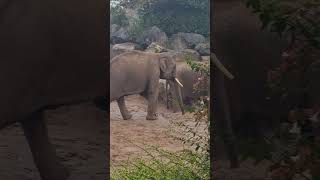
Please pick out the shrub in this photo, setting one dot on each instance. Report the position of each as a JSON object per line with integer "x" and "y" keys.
{"x": 294, "y": 147}
{"x": 164, "y": 165}
{"x": 118, "y": 16}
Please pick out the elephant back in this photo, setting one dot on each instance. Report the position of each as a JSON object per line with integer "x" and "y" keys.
{"x": 52, "y": 52}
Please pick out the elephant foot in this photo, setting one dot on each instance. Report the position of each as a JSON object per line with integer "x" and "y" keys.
{"x": 127, "y": 117}
{"x": 152, "y": 117}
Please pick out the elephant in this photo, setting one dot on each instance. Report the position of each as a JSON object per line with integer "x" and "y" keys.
{"x": 188, "y": 78}
{"x": 53, "y": 53}
{"x": 240, "y": 105}
{"x": 138, "y": 72}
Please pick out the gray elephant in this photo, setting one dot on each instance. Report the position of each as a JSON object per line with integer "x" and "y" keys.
{"x": 138, "y": 72}
{"x": 188, "y": 78}
{"x": 52, "y": 53}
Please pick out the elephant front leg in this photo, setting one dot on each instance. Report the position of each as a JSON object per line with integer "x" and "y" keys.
{"x": 123, "y": 109}
{"x": 153, "y": 102}
{"x": 42, "y": 150}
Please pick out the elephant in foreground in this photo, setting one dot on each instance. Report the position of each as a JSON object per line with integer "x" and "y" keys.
{"x": 138, "y": 72}
{"x": 240, "y": 106}
{"x": 52, "y": 53}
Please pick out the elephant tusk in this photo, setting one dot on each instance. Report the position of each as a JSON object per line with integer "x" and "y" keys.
{"x": 220, "y": 66}
{"x": 180, "y": 84}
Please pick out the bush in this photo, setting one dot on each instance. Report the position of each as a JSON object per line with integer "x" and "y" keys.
{"x": 298, "y": 18}
{"x": 171, "y": 16}
{"x": 295, "y": 145}
{"x": 177, "y": 16}
{"x": 118, "y": 16}
{"x": 164, "y": 165}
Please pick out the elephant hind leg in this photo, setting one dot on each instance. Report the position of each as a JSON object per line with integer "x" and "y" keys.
{"x": 42, "y": 150}
{"x": 123, "y": 109}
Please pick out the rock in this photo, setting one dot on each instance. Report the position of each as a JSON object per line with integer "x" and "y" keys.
{"x": 155, "y": 48}
{"x": 178, "y": 42}
{"x": 122, "y": 48}
{"x": 153, "y": 34}
{"x": 120, "y": 36}
{"x": 183, "y": 55}
{"x": 114, "y": 28}
{"x": 203, "y": 49}
{"x": 191, "y": 39}
{"x": 127, "y": 46}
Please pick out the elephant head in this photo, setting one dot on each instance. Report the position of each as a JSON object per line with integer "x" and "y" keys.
{"x": 168, "y": 71}
{"x": 167, "y": 66}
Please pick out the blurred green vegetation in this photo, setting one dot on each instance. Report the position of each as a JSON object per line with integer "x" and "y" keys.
{"x": 171, "y": 16}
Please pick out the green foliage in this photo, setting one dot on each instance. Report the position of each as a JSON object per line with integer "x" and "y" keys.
{"x": 118, "y": 16}
{"x": 299, "y": 18}
{"x": 203, "y": 68}
{"x": 177, "y": 16}
{"x": 132, "y": 4}
{"x": 171, "y": 16}
{"x": 165, "y": 165}
{"x": 200, "y": 111}
{"x": 136, "y": 28}
{"x": 294, "y": 147}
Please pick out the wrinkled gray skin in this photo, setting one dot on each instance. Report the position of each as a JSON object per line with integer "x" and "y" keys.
{"x": 138, "y": 72}
{"x": 52, "y": 53}
{"x": 247, "y": 52}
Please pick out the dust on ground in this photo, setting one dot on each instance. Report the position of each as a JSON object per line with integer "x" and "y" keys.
{"x": 127, "y": 136}
{"x": 79, "y": 135}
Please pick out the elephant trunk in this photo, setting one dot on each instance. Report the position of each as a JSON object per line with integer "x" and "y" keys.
{"x": 220, "y": 66}
{"x": 177, "y": 89}
{"x": 167, "y": 94}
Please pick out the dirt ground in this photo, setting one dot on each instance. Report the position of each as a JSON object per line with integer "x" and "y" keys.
{"x": 79, "y": 134}
{"x": 128, "y": 135}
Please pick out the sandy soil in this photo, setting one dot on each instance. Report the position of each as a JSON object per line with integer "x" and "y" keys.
{"x": 79, "y": 134}
{"x": 128, "y": 135}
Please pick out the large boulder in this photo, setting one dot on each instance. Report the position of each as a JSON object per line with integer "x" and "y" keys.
{"x": 203, "y": 49}
{"x": 153, "y": 34}
{"x": 122, "y": 48}
{"x": 189, "y": 39}
{"x": 114, "y": 28}
{"x": 178, "y": 42}
{"x": 156, "y": 48}
{"x": 120, "y": 36}
{"x": 185, "y": 54}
